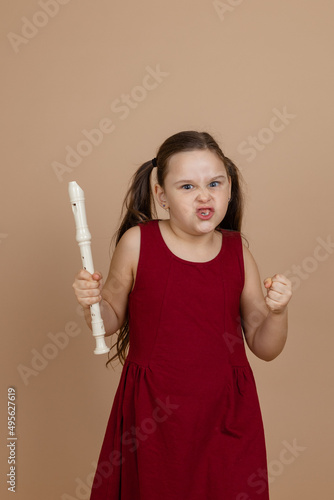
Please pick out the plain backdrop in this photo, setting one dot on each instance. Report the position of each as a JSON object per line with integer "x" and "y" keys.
{"x": 258, "y": 76}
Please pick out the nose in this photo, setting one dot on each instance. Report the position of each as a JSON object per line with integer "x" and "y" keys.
{"x": 204, "y": 194}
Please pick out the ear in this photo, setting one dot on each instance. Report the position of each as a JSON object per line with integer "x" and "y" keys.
{"x": 160, "y": 195}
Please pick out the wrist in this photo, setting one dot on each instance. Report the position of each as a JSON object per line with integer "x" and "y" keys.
{"x": 279, "y": 313}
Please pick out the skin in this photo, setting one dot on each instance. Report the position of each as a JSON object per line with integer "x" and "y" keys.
{"x": 264, "y": 319}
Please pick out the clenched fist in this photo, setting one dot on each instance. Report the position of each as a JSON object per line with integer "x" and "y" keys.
{"x": 279, "y": 292}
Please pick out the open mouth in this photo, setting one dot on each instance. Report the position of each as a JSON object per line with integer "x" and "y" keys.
{"x": 205, "y": 213}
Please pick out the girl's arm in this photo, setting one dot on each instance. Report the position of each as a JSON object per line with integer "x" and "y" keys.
{"x": 264, "y": 319}
{"x": 113, "y": 296}
{"x": 120, "y": 279}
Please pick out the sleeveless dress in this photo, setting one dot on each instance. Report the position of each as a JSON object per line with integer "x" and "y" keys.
{"x": 186, "y": 422}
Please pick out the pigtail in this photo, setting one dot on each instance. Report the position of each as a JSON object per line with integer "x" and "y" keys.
{"x": 234, "y": 214}
{"x": 138, "y": 200}
{"x": 233, "y": 217}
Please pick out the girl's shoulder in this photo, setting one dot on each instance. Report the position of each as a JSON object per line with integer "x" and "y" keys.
{"x": 252, "y": 283}
{"x": 131, "y": 235}
{"x": 131, "y": 239}
{"x": 249, "y": 261}
{"x": 130, "y": 242}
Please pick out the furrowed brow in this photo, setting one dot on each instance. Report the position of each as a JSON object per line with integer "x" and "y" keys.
{"x": 189, "y": 181}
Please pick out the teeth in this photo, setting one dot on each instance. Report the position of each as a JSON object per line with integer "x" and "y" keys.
{"x": 205, "y": 213}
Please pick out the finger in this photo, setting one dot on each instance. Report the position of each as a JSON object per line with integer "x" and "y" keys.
{"x": 283, "y": 288}
{"x": 84, "y": 278}
{"x": 267, "y": 282}
{"x": 92, "y": 300}
{"x": 97, "y": 275}
{"x": 83, "y": 274}
{"x": 278, "y": 299}
{"x": 274, "y": 304}
{"x": 89, "y": 301}
{"x": 88, "y": 292}
{"x": 280, "y": 278}
{"x": 84, "y": 285}
{"x": 278, "y": 287}
{"x": 277, "y": 296}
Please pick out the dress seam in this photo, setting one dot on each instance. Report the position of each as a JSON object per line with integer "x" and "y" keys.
{"x": 160, "y": 313}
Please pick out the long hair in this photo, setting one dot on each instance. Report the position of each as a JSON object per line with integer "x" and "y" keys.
{"x": 139, "y": 201}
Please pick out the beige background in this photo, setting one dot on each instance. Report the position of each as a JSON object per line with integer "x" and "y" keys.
{"x": 226, "y": 71}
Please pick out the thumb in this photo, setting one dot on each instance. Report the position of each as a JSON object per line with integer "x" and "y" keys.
{"x": 97, "y": 275}
{"x": 267, "y": 282}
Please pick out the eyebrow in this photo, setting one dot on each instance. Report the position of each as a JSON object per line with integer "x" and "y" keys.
{"x": 190, "y": 181}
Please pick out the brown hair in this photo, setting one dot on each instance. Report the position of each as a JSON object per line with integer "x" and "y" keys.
{"x": 139, "y": 201}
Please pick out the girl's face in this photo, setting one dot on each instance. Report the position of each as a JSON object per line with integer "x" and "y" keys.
{"x": 197, "y": 189}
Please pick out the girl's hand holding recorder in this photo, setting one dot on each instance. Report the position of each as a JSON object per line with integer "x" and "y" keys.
{"x": 87, "y": 288}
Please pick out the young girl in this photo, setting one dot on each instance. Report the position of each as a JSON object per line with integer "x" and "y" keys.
{"x": 182, "y": 291}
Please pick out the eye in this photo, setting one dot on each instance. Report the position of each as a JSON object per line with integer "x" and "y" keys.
{"x": 185, "y": 185}
{"x": 215, "y": 182}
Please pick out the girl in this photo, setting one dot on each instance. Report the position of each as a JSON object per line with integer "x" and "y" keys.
{"x": 182, "y": 292}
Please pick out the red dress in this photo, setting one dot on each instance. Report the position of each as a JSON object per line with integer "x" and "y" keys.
{"x": 185, "y": 423}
